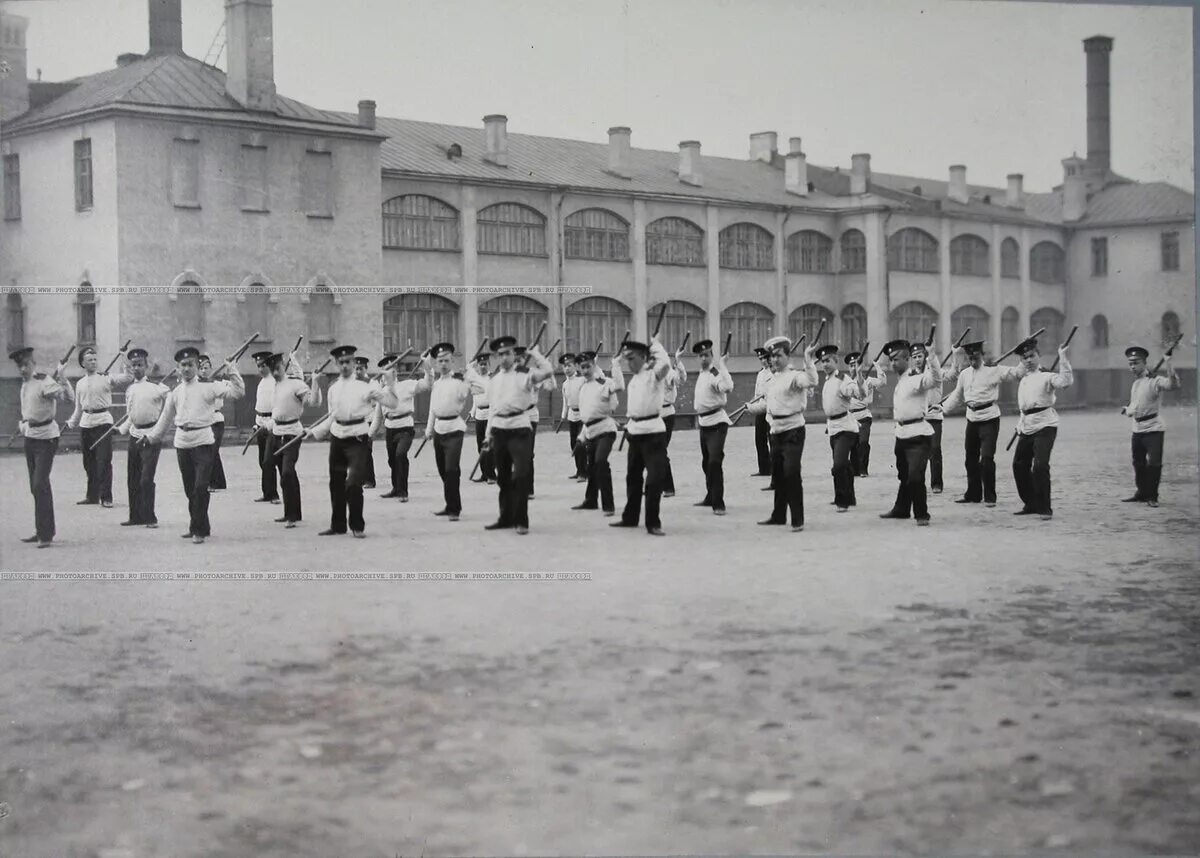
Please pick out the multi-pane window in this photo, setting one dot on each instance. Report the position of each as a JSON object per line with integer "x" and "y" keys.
{"x": 854, "y": 326}
{"x": 256, "y": 313}
{"x": 809, "y": 252}
{"x": 1170, "y": 251}
{"x": 185, "y": 173}
{"x": 1099, "y": 257}
{"x": 1170, "y": 328}
{"x": 1010, "y": 327}
{"x": 970, "y": 254}
{"x": 912, "y": 249}
{"x": 680, "y": 318}
{"x": 83, "y": 174}
{"x": 973, "y": 317}
{"x": 1046, "y": 263}
{"x": 316, "y": 184}
{"x": 1099, "y": 332}
{"x": 1052, "y": 321}
{"x": 255, "y": 188}
{"x": 854, "y": 251}
{"x": 85, "y": 314}
{"x": 807, "y": 319}
{"x": 321, "y": 327}
{"x": 747, "y": 245}
{"x": 189, "y": 313}
{"x": 419, "y": 319}
{"x": 512, "y": 315}
{"x": 513, "y": 229}
{"x": 12, "y": 187}
{"x": 912, "y": 321}
{"x": 595, "y": 322}
{"x": 674, "y": 241}
{"x": 1010, "y": 258}
{"x": 16, "y": 320}
{"x": 420, "y": 222}
{"x": 596, "y": 234}
{"x": 751, "y": 325}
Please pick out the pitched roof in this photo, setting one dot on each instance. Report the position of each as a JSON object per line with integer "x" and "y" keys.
{"x": 1139, "y": 201}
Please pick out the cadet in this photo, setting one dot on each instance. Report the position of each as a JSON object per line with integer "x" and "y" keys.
{"x": 40, "y": 395}
{"x": 93, "y": 399}
{"x": 1037, "y": 428}
{"x": 913, "y": 432}
{"x": 675, "y": 379}
{"x": 144, "y": 402}
{"x": 217, "y": 481}
{"x": 399, "y": 425}
{"x": 480, "y": 376}
{"x": 836, "y": 394}
{"x": 762, "y": 429}
{"x": 646, "y": 433}
{"x": 934, "y": 417}
{"x": 446, "y": 425}
{"x": 570, "y": 413}
{"x": 713, "y": 386}
{"x": 597, "y": 404}
{"x": 1145, "y": 403}
{"x": 264, "y": 398}
{"x": 860, "y": 410}
{"x": 290, "y": 396}
{"x": 361, "y": 365}
{"x": 535, "y": 413}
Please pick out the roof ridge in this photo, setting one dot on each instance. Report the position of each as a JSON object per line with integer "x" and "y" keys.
{"x": 158, "y": 63}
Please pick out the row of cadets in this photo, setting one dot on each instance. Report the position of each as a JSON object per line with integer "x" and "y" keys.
{"x": 361, "y": 366}
{"x": 289, "y": 397}
{"x": 264, "y": 398}
{"x": 217, "y": 483}
{"x": 191, "y": 407}
{"x": 352, "y": 403}
{"x": 40, "y": 395}
{"x": 446, "y": 426}
{"x": 675, "y": 378}
{"x": 93, "y": 399}
{"x": 535, "y": 414}
{"x": 144, "y": 403}
{"x": 913, "y": 432}
{"x": 573, "y": 381}
{"x": 1145, "y": 403}
{"x": 513, "y": 395}
{"x": 398, "y": 423}
{"x": 860, "y": 409}
{"x": 786, "y": 398}
{"x": 598, "y": 402}
{"x": 711, "y": 393}
{"x": 480, "y": 376}
{"x": 837, "y": 394}
{"x": 1037, "y": 427}
{"x": 647, "y": 433}
{"x": 762, "y": 429}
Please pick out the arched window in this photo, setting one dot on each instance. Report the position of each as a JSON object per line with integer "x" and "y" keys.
{"x": 1010, "y": 258}
{"x": 747, "y": 245}
{"x": 1170, "y": 328}
{"x": 420, "y": 222}
{"x": 321, "y": 322}
{"x": 420, "y": 319}
{"x": 511, "y": 315}
{"x": 189, "y": 312}
{"x": 751, "y": 325}
{"x": 809, "y": 252}
{"x": 806, "y": 319}
{"x": 912, "y": 249}
{"x": 596, "y": 234}
{"x": 674, "y": 241}
{"x": 854, "y": 326}
{"x": 969, "y": 254}
{"x": 512, "y": 229}
{"x": 256, "y": 312}
{"x": 912, "y": 321}
{"x": 596, "y": 321}
{"x": 85, "y": 314}
{"x": 854, "y": 251}
{"x": 1010, "y": 328}
{"x": 1099, "y": 332}
{"x": 973, "y": 317}
{"x": 680, "y": 318}
{"x": 16, "y": 320}
{"x": 1052, "y": 321}
{"x": 1046, "y": 263}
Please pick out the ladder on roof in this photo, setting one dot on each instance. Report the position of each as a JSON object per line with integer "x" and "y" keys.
{"x": 220, "y": 49}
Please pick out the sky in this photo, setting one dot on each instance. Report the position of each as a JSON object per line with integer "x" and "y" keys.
{"x": 997, "y": 86}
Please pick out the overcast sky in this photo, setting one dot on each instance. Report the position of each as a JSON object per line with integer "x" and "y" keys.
{"x": 998, "y": 86}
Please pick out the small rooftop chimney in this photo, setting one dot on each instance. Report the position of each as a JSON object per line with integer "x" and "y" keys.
{"x": 166, "y": 28}
{"x": 763, "y": 146}
{"x": 860, "y": 173}
{"x": 127, "y": 59}
{"x": 1074, "y": 189}
{"x": 618, "y": 152}
{"x": 794, "y": 144}
{"x": 958, "y": 185}
{"x": 795, "y": 172}
{"x": 1015, "y": 198}
{"x": 689, "y": 163}
{"x": 495, "y": 139}
{"x": 366, "y": 113}
{"x": 250, "y": 80}
{"x": 1097, "y": 49}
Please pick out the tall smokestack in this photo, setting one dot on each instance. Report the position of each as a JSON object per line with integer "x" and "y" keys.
{"x": 250, "y": 79}
{"x": 166, "y": 28}
{"x": 1099, "y": 152}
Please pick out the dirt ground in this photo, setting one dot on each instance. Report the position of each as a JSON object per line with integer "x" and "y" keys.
{"x": 988, "y": 685}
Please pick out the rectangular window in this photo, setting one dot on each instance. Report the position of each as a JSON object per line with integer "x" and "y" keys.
{"x": 12, "y": 187}
{"x": 316, "y": 183}
{"x": 1099, "y": 257}
{"x": 1170, "y": 251}
{"x": 185, "y": 173}
{"x": 83, "y": 175}
{"x": 254, "y": 179}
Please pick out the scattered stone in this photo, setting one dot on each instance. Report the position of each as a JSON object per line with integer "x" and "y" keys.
{"x": 133, "y": 785}
{"x": 767, "y": 797}
{"x": 912, "y": 749}
{"x": 1028, "y": 758}
{"x": 567, "y": 768}
{"x": 1182, "y": 692}
{"x": 310, "y": 752}
{"x": 1007, "y": 722}
{"x": 1055, "y": 788}
{"x": 770, "y": 725}
{"x": 815, "y": 782}
{"x": 945, "y": 686}
{"x": 756, "y": 671}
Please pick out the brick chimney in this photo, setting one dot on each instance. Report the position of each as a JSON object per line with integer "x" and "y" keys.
{"x": 14, "y": 86}
{"x": 794, "y": 144}
{"x": 860, "y": 173}
{"x": 763, "y": 146}
{"x": 1074, "y": 189}
{"x": 250, "y": 80}
{"x": 495, "y": 139}
{"x": 619, "y": 160}
{"x": 1099, "y": 154}
{"x": 366, "y": 113}
{"x": 1015, "y": 198}
{"x": 958, "y": 185}
{"x": 795, "y": 172}
{"x": 689, "y": 163}
{"x": 166, "y": 28}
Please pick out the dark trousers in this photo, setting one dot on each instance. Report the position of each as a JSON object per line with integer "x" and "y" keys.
{"x": 447, "y": 452}
{"x": 599, "y": 484}
{"x": 935, "y": 455}
{"x": 289, "y": 480}
{"x": 487, "y": 458}
{"x": 762, "y": 444}
{"x": 513, "y": 450}
{"x": 981, "y": 460}
{"x": 787, "y": 449}
{"x": 347, "y": 473}
{"x": 97, "y": 463}
{"x": 1147, "y": 448}
{"x": 668, "y": 476}
{"x": 912, "y": 455}
{"x": 195, "y": 467}
{"x": 532, "y": 453}
{"x": 862, "y": 453}
{"x": 1031, "y": 469}
{"x": 648, "y": 454}
{"x": 266, "y": 462}
{"x": 218, "y": 469}
{"x": 39, "y": 459}
{"x": 843, "y": 445}
{"x": 579, "y": 452}
{"x": 712, "y": 462}
{"x": 141, "y": 466}
{"x": 398, "y": 442}
{"x": 369, "y": 480}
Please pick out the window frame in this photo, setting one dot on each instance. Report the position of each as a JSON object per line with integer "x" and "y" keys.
{"x": 1038, "y": 263}
{"x": 441, "y": 219}
{"x": 681, "y": 243}
{"x": 1100, "y": 331}
{"x": 927, "y": 319}
{"x": 15, "y": 319}
{"x": 534, "y": 228}
{"x": 604, "y": 243}
{"x": 681, "y": 317}
{"x": 852, "y": 253}
{"x": 749, "y": 329}
{"x": 531, "y": 314}
{"x": 1010, "y": 259}
{"x": 437, "y": 315}
{"x": 973, "y": 316}
{"x": 856, "y": 315}
{"x": 1170, "y": 327}
{"x": 1099, "y": 255}
{"x": 746, "y": 246}
{"x": 85, "y": 199}
{"x": 970, "y": 256}
{"x": 12, "y": 186}
{"x": 85, "y": 296}
{"x": 1169, "y": 250}
{"x": 913, "y": 249}
{"x": 806, "y": 319}
{"x": 588, "y": 325}
{"x": 809, "y": 251}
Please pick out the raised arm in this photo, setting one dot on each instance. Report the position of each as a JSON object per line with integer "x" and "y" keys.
{"x": 956, "y": 397}
{"x": 932, "y": 376}
{"x": 724, "y": 379}
{"x": 543, "y": 371}
{"x": 1170, "y": 381}
{"x": 74, "y": 418}
{"x": 662, "y": 360}
{"x": 1064, "y": 377}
